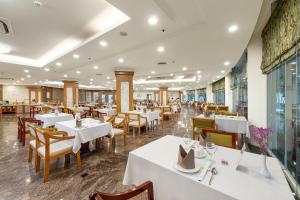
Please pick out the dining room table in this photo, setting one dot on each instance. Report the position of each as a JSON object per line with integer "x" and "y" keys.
{"x": 234, "y": 124}
{"x": 90, "y": 130}
{"x": 50, "y": 119}
{"x": 107, "y": 111}
{"x": 239, "y": 179}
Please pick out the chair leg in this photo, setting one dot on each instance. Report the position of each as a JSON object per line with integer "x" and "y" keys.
{"x": 139, "y": 131}
{"x": 46, "y": 170}
{"x": 78, "y": 161}
{"x": 124, "y": 139}
{"x": 37, "y": 163}
{"x": 110, "y": 144}
{"x": 30, "y": 153}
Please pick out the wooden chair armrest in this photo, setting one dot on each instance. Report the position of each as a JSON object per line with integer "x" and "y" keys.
{"x": 61, "y": 138}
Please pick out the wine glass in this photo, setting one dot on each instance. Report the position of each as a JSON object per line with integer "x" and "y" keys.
{"x": 187, "y": 139}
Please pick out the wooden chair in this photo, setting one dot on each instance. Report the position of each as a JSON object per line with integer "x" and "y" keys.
{"x": 222, "y": 108}
{"x": 0, "y": 112}
{"x": 22, "y": 123}
{"x": 45, "y": 110}
{"x": 201, "y": 123}
{"x": 161, "y": 117}
{"x": 120, "y": 128}
{"x": 32, "y": 142}
{"x": 51, "y": 151}
{"x": 136, "y": 121}
{"x": 147, "y": 186}
{"x": 222, "y": 138}
{"x": 167, "y": 112}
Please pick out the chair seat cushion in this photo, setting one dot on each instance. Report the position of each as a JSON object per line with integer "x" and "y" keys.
{"x": 57, "y": 147}
{"x": 136, "y": 123}
{"x": 117, "y": 131}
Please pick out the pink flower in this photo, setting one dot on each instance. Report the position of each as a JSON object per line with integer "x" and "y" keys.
{"x": 260, "y": 136}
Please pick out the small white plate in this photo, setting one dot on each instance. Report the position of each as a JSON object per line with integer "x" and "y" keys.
{"x": 202, "y": 155}
{"x": 188, "y": 171}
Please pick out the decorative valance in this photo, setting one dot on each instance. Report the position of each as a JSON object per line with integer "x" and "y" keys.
{"x": 218, "y": 85}
{"x": 201, "y": 91}
{"x": 280, "y": 36}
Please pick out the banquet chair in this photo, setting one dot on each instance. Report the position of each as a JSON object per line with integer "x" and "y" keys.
{"x": 222, "y": 108}
{"x": 22, "y": 127}
{"x": 0, "y": 113}
{"x": 136, "y": 121}
{"x": 139, "y": 190}
{"x": 52, "y": 151}
{"x": 84, "y": 115}
{"x": 160, "y": 120}
{"x": 167, "y": 112}
{"x": 201, "y": 123}
{"x": 222, "y": 138}
{"x": 32, "y": 142}
{"x": 45, "y": 110}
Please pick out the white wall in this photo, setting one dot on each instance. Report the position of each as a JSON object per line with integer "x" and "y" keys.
{"x": 142, "y": 95}
{"x": 228, "y": 92}
{"x": 14, "y": 93}
{"x": 174, "y": 94}
{"x": 257, "y": 84}
{"x": 209, "y": 94}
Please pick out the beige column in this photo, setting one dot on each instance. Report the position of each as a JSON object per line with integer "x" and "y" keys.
{"x": 1, "y": 92}
{"x": 70, "y": 93}
{"x": 163, "y": 96}
{"x": 124, "y": 91}
{"x": 180, "y": 95}
{"x": 35, "y": 93}
{"x": 156, "y": 96}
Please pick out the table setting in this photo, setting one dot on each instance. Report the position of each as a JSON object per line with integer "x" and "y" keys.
{"x": 50, "y": 119}
{"x": 181, "y": 168}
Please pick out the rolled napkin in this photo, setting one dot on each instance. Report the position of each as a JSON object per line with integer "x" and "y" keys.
{"x": 186, "y": 160}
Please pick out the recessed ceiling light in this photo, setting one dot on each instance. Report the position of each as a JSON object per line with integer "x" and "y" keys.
{"x": 171, "y": 74}
{"x": 160, "y": 49}
{"x": 78, "y": 72}
{"x": 103, "y": 43}
{"x": 199, "y": 76}
{"x": 153, "y": 72}
{"x": 4, "y": 49}
{"x": 26, "y": 70}
{"x": 35, "y": 83}
{"x": 18, "y": 81}
{"x": 233, "y": 28}
{"x": 121, "y": 60}
{"x": 184, "y": 68}
{"x": 107, "y": 77}
{"x": 152, "y": 20}
{"x": 213, "y": 80}
{"x": 226, "y": 63}
{"x": 149, "y": 76}
{"x": 223, "y": 71}
{"x": 218, "y": 76}
{"x": 65, "y": 75}
{"x": 58, "y": 64}
{"x": 96, "y": 67}
{"x": 47, "y": 69}
{"x": 198, "y": 72}
{"x": 46, "y": 80}
{"x": 75, "y": 56}
{"x": 28, "y": 76}
{"x": 91, "y": 79}
{"x": 22, "y": 79}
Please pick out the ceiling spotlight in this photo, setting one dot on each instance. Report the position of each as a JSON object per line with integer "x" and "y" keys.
{"x": 103, "y": 43}
{"x": 96, "y": 67}
{"x": 199, "y": 76}
{"x": 153, "y": 72}
{"x": 160, "y": 49}
{"x": 28, "y": 76}
{"x": 91, "y": 79}
{"x": 121, "y": 60}
{"x": 58, "y": 64}
{"x": 233, "y": 28}
{"x": 213, "y": 80}
{"x": 107, "y": 77}
{"x": 26, "y": 70}
{"x": 218, "y": 76}
{"x": 184, "y": 68}
{"x": 35, "y": 83}
{"x": 149, "y": 76}
{"x": 171, "y": 74}
{"x": 65, "y": 75}
{"x": 47, "y": 69}
{"x": 22, "y": 79}
{"x": 226, "y": 63}
{"x": 198, "y": 72}
{"x": 78, "y": 72}
{"x": 4, "y": 49}
{"x": 223, "y": 71}
{"x": 152, "y": 20}
{"x": 75, "y": 56}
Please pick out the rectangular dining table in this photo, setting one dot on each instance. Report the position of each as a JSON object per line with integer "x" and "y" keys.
{"x": 91, "y": 129}
{"x": 51, "y": 118}
{"x": 107, "y": 111}
{"x": 155, "y": 162}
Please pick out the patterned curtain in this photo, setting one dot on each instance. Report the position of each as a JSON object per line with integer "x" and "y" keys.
{"x": 280, "y": 38}
{"x": 218, "y": 85}
{"x": 201, "y": 91}
{"x": 239, "y": 71}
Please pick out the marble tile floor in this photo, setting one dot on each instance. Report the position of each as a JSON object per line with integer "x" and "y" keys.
{"x": 100, "y": 170}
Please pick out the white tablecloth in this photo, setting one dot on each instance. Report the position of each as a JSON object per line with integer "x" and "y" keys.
{"x": 91, "y": 129}
{"x": 231, "y": 124}
{"x": 107, "y": 111}
{"x": 155, "y": 162}
{"x": 150, "y": 115}
{"x": 51, "y": 118}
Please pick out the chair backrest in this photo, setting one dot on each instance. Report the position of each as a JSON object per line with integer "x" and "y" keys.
{"x": 108, "y": 118}
{"x": 46, "y": 109}
{"x": 121, "y": 115}
{"x": 203, "y": 123}
{"x": 32, "y": 130}
{"x": 39, "y": 135}
{"x": 133, "y": 116}
{"x": 222, "y": 138}
{"x": 167, "y": 109}
{"x": 223, "y": 108}
{"x": 147, "y": 186}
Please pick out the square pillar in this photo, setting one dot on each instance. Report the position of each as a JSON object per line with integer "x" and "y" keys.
{"x": 124, "y": 91}
{"x": 163, "y": 96}
{"x": 70, "y": 93}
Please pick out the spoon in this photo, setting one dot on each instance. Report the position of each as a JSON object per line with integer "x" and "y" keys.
{"x": 213, "y": 172}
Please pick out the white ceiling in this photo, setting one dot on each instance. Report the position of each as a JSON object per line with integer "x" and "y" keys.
{"x": 196, "y": 36}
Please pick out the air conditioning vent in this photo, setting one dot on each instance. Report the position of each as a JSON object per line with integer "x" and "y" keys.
{"x": 6, "y": 79}
{"x": 162, "y": 63}
{"x": 5, "y": 27}
{"x": 99, "y": 74}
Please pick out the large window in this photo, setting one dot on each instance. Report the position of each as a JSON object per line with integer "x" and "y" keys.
{"x": 218, "y": 88}
{"x": 283, "y": 112}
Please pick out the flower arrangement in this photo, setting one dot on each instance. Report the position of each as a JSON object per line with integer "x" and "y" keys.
{"x": 260, "y": 136}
